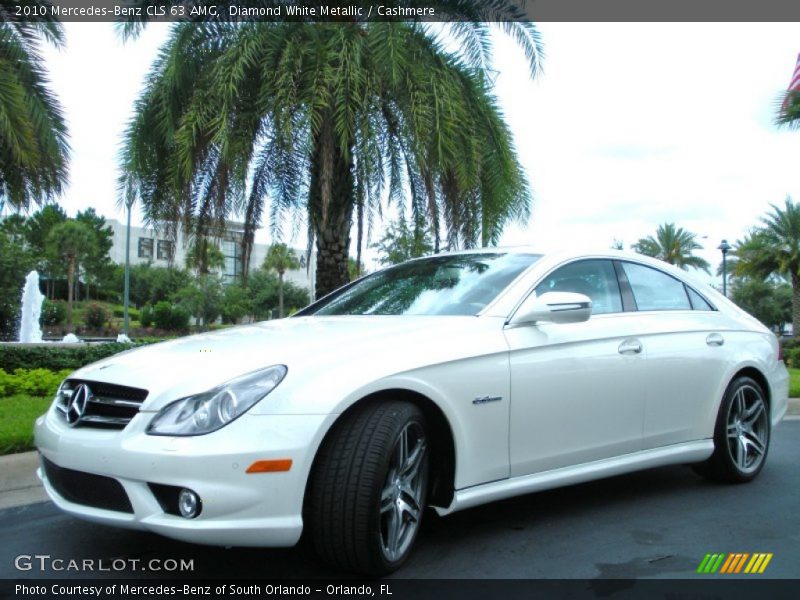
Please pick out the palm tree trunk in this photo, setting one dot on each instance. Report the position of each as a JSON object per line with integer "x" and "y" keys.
{"x": 331, "y": 201}
{"x": 280, "y": 295}
{"x": 795, "y": 304}
{"x": 70, "y": 291}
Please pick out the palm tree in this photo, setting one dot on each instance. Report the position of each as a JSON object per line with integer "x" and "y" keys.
{"x": 280, "y": 258}
{"x": 774, "y": 249}
{"x": 33, "y": 134}
{"x": 71, "y": 241}
{"x": 326, "y": 120}
{"x": 673, "y": 245}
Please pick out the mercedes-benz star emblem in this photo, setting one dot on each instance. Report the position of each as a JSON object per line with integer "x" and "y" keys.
{"x": 77, "y": 404}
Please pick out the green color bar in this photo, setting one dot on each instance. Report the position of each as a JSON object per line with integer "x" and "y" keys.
{"x": 702, "y": 566}
{"x": 718, "y": 564}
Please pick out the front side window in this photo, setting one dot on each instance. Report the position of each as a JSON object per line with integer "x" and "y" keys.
{"x": 594, "y": 278}
{"x": 460, "y": 284}
{"x": 654, "y": 290}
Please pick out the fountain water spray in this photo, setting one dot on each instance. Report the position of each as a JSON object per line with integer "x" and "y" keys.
{"x": 32, "y": 298}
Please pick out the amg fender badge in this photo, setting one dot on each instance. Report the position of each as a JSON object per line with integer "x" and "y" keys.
{"x": 486, "y": 399}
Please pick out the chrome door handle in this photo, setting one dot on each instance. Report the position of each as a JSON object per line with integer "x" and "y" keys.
{"x": 630, "y": 347}
{"x": 715, "y": 339}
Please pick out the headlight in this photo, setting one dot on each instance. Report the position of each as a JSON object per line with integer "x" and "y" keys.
{"x": 207, "y": 412}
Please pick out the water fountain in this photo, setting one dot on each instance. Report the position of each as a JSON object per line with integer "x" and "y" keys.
{"x": 32, "y": 299}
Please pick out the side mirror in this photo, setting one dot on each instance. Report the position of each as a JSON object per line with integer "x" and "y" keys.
{"x": 553, "y": 307}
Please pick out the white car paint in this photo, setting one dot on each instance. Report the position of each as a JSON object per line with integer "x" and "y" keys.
{"x": 573, "y": 403}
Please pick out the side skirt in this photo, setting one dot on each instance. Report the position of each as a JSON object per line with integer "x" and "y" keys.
{"x": 688, "y": 452}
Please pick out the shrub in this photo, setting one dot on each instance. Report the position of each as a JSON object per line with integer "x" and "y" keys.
{"x": 95, "y": 316}
{"x": 33, "y": 382}
{"x": 146, "y": 316}
{"x": 791, "y": 357}
{"x": 169, "y": 317}
{"x": 133, "y": 313}
{"x": 54, "y": 312}
{"x": 45, "y": 356}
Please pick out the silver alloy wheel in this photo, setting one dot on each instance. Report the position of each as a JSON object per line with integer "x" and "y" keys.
{"x": 747, "y": 428}
{"x": 403, "y": 492}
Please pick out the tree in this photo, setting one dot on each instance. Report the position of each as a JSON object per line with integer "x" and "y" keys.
{"x": 673, "y": 245}
{"x": 71, "y": 242}
{"x": 15, "y": 263}
{"x": 97, "y": 265}
{"x": 204, "y": 256}
{"x": 202, "y": 298}
{"x": 236, "y": 303}
{"x": 39, "y": 226}
{"x": 280, "y": 258}
{"x": 768, "y": 301}
{"x": 774, "y": 249}
{"x": 327, "y": 119}
{"x": 401, "y": 243}
{"x": 33, "y": 134}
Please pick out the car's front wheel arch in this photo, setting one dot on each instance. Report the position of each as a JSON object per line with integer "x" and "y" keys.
{"x": 441, "y": 484}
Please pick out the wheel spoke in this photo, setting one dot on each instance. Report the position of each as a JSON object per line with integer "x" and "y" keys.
{"x": 740, "y": 406}
{"x": 755, "y": 442}
{"x": 754, "y": 413}
{"x": 393, "y": 531}
{"x": 411, "y": 466}
{"x": 408, "y": 505}
{"x": 387, "y": 498}
{"x": 741, "y": 452}
{"x": 733, "y": 433}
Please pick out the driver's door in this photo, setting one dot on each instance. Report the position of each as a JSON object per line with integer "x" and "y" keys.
{"x": 577, "y": 390}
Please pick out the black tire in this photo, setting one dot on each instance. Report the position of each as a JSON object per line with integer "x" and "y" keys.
{"x": 355, "y": 472}
{"x": 741, "y": 435}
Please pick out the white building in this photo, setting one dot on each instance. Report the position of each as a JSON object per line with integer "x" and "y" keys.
{"x": 152, "y": 246}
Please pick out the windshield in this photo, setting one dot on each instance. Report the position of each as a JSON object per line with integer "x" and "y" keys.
{"x": 460, "y": 284}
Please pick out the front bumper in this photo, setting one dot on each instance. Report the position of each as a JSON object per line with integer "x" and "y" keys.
{"x": 239, "y": 509}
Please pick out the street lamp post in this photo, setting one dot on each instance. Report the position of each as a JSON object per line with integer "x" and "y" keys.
{"x": 724, "y": 247}
{"x": 127, "y": 269}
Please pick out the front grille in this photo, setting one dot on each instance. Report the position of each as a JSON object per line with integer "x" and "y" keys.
{"x": 87, "y": 489}
{"x": 98, "y": 404}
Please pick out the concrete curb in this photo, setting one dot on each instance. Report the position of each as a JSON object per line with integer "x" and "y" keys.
{"x": 19, "y": 484}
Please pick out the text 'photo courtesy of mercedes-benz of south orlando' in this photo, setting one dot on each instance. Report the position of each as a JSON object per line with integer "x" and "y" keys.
{"x": 399, "y": 299}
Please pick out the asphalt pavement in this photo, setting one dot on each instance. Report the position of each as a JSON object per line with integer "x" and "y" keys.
{"x": 653, "y": 524}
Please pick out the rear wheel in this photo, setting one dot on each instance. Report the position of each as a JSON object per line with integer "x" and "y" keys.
{"x": 741, "y": 435}
{"x": 368, "y": 488}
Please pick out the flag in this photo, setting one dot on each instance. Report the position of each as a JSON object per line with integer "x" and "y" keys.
{"x": 794, "y": 86}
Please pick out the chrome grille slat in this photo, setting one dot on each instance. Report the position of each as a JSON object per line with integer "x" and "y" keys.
{"x": 105, "y": 405}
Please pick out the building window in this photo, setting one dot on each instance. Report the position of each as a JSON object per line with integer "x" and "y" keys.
{"x": 232, "y": 252}
{"x": 166, "y": 250}
{"x": 145, "y": 247}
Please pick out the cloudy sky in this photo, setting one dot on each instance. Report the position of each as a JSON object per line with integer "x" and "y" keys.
{"x": 629, "y": 126}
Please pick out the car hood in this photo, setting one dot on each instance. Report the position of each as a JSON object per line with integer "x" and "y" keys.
{"x": 306, "y": 345}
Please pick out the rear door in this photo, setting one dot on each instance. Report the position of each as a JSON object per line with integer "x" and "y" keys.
{"x": 684, "y": 338}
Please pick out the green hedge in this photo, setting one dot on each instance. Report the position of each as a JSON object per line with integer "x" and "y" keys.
{"x": 57, "y": 358}
{"x": 32, "y": 382}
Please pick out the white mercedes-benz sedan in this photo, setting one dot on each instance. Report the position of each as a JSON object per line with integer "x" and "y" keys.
{"x": 443, "y": 382}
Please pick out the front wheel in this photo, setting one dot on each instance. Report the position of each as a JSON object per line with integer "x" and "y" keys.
{"x": 741, "y": 435}
{"x": 368, "y": 488}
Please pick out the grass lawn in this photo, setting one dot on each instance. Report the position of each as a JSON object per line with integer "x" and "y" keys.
{"x": 794, "y": 383}
{"x": 17, "y": 414}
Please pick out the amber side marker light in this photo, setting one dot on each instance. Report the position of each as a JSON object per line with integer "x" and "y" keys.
{"x": 270, "y": 466}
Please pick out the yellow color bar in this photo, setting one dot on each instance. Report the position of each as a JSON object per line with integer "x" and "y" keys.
{"x": 753, "y": 560}
{"x": 765, "y": 563}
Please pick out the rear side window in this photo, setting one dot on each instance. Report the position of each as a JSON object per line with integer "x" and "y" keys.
{"x": 594, "y": 278}
{"x": 698, "y": 302}
{"x": 654, "y": 290}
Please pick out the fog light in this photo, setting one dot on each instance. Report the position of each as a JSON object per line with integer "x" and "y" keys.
{"x": 189, "y": 504}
